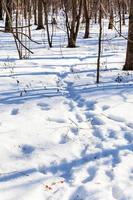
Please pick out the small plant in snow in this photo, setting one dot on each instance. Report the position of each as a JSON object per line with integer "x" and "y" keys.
{"x": 119, "y": 79}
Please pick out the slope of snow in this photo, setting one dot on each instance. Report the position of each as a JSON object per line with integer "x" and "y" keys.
{"x": 62, "y": 136}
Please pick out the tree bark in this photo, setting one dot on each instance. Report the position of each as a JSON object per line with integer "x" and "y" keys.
{"x": 129, "y": 56}
{"x": 40, "y": 15}
{"x": 74, "y": 27}
{"x": 86, "y": 6}
{"x": 1, "y": 10}
{"x": 8, "y": 16}
{"x": 99, "y": 43}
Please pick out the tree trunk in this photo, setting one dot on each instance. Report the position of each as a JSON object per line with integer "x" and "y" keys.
{"x": 40, "y": 15}
{"x": 74, "y": 28}
{"x": 47, "y": 23}
{"x": 35, "y": 12}
{"x": 129, "y": 56}
{"x": 8, "y": 16}
{"x": 111, "y": 20}
{"x": 87, "y": 18}
{"x": 123, "y": 14}
{"x": 1, "y": 10}
{"x": 120, "y": 17}
{"x": 99, "y": 43}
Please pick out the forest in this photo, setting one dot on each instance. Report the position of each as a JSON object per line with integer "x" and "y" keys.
{"x": 66, "y": 99}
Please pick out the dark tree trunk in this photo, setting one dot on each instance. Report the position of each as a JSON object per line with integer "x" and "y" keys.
{"x": 99, "y": 43}
{"x": 123, "y": 14}
{"x": 111, "y": 19}
{"x": 8, "y": 16}
{"x": 35, "y": 11}
{"x": 120, "y": 17}
{"x": 74, "y": 28}
{"x": 1, "y": 10}
{"x": 40, "y": 15}
{"x": 47, "y": 23}
{"x": 87, "y": 18}
{"x": 129, "y": 56}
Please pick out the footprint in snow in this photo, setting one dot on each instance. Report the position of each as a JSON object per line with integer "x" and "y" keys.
{"x": 81, "y": 102}
{"x": 98, "y": 133}
{"x": 74, "y": 130}
{"x": 112, "y": 134}
{"x": 27, "y": 149}
{"x": 43, "y": 106}
{"x": 64, "y": 139}
{"x": 105, "y": 107}
{"x": 130, "y": 125}
{"x": 129, "y": 137}
{"x": 131, "y": 175}
{"x": 90, "y": 105}
{"x": 15, "y": 111}
{"x": 117, "y": 193}
{"x": 110, "y": 174}
{"x": 92, "y": 172}
{"x": 71, "y": 106}
{"x": 80, "y": 194}
{"x": 89, "y": 114}
{"x": 79, "y": 118}
{"x": 97, "y": 121}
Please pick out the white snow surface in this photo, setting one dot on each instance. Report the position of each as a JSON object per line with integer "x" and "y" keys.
{"x": 62, "y": 136}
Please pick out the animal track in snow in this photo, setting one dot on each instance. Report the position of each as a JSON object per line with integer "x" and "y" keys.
{"x": 130, "y": 125}
{"x": 43, "y": 106}
{"x": 97, "y": 121}
{"x": 118, "y": 193}
{"x": 79, "y": 118}
{"x": 98, "y": 133}
{"x": 90, "y": 105}
{"x": 27, "y": 149}
{"x": 15, "y": 111}
{"x": 129, "y": 137}
{"x": 92, "y": 172}
{"x": 105, "y": 107}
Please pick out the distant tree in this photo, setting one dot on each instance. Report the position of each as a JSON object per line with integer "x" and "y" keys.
{"x": 1, "y": 10}
{"x": 111, "y": 15}
{"x": 40, "y": 15}
{"x": 99, "y": 41}
{"x": 73, "y": 11}
{"x": 35, "y": 11}
{"x": 8, "y": 19}
{"x": 87, "y": 15}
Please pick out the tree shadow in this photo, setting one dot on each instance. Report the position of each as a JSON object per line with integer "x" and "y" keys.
{"x": 17, "y": 174}
{"x": 65, "y": 168}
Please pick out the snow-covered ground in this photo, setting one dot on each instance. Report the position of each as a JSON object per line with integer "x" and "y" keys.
{"x": 62, "y": 137}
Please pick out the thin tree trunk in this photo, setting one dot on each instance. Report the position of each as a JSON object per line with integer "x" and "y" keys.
{"x": 111, "y": 19}
{"x": 100, "y": 43}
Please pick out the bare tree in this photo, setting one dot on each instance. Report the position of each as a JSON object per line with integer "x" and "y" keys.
{"x": 72, "y": 10}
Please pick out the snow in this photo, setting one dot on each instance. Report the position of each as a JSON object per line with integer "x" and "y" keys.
{"x": 62, "y": 136}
